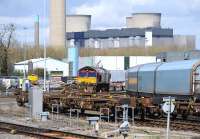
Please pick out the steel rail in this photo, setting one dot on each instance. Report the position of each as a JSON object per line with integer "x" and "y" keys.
{"x": 175, "y": 125}
{"x": 42, "y": 132}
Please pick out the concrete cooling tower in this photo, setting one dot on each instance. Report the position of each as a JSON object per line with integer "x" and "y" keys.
{"x": 57, "y": 23}
{"x": 78, "y": 23}
{"x": 144, "y": 20}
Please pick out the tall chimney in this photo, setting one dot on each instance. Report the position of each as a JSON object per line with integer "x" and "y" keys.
{"x": 37, "y": 36}
{"x": 57, "y": 23}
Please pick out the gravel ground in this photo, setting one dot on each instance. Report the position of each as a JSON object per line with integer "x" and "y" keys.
{"x": 10, "y": 112}
{"x": 4, "y": 135}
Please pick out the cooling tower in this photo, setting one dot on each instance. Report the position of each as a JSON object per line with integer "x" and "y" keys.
{"x": 57, "y": 23}
{"x": 144, "y": 20}
{"x": 78, "y": 23}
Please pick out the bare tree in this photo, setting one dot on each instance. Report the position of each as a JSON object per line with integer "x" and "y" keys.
{"x": 6, "y": 34}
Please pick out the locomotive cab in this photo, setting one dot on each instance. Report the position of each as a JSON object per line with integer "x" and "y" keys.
{"x": 99, "y": 78}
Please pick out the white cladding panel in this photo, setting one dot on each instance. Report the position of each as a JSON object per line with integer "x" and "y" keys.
{"x": 117, "y": 75}
{"x": 21, "y": 68}
{"x": 137, "y": 60}
{"x": 114, "y": 62}
{"x": 107, "y": 62}
{"x": 51, "y": 65}
{"x": 110, "y": 62}
{"x": 148, "y": 38}
{"x": 86, "y": 61}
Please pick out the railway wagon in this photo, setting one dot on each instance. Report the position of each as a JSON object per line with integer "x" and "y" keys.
{"x": 180, "y": 79}
{"x": 97, "y": 77}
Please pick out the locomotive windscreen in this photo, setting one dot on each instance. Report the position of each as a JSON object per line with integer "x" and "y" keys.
{"x": 87, "y": 73}
{"x": 92, "y": 74}
{"x": 82, "y": 74}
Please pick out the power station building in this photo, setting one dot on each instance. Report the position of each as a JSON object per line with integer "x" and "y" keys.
{"x": 142, "y": 30}
{"x": 127, "y": 37}
{"x": 130, "y": 37}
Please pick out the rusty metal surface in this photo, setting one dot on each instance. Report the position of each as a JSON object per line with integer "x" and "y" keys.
{"x": 74, "y": 96}
{"x": 87, "y": 101}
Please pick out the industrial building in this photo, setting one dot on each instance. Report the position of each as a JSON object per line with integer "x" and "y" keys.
{"x": 53, "y": 66}
{"x": 141, "y": 30}
{"x": 177, "y": 56}
{"x": 126, "y": 37}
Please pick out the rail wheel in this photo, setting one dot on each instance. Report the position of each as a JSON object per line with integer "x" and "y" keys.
{"x": 184, "y": 114}
{"x": 142, "y": 116}
{"x": 20, "y": 104}
{"x": 45, "y": 107}
{"x": 156, "y": 114}
{"x": 174, "y": 115}
{"x": 112, "y": 115}
{"x": 63, "y": 109}
{"x": 82, "y": 111}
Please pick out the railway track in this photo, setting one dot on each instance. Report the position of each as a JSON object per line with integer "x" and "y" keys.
{"x": 158, "y": 123}
{"x": 43, "y": 133}
{"x": 174, "y": 125}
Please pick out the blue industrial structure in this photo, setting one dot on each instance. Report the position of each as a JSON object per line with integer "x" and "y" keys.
{"x": 73, "y": 59}
{"x": 121, "y": 33}
{"x": 123, "y": 36}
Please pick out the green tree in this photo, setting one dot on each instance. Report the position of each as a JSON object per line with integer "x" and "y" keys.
{"x": 6, "y": 35}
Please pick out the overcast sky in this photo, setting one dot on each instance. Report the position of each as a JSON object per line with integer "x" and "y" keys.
{"x": 181, "y": 15}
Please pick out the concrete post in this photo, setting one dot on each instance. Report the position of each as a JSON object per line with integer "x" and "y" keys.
{"x": 36, "y": 101}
